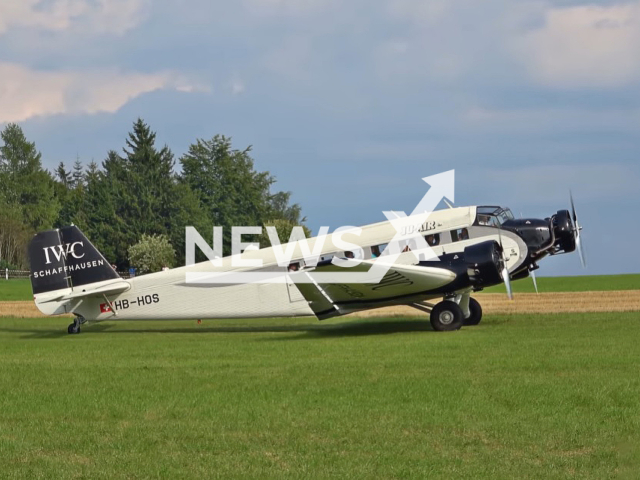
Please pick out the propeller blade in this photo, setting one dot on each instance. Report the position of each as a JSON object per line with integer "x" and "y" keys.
{"x": 576, "y": 232}
{"x": 535, "y": 281}
{"x": 583, "y": 259}
{"x": 505, "y": 270}
{"x": 507, "y": 281}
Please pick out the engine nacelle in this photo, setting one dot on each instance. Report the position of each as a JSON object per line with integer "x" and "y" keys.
{"x": 479, "y": 265}
{"x": 484, "y": 263}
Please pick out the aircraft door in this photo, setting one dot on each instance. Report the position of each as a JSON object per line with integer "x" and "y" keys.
{"x": 294, "y": 292}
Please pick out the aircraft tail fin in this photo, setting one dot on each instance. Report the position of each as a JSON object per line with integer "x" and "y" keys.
{"x": 63, "y": 259}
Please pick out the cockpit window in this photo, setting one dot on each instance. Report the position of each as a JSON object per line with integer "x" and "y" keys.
{"x": 493, "y": 216}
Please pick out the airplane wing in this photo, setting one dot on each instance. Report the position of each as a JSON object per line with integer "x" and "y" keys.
{"x": 332, "y": 299}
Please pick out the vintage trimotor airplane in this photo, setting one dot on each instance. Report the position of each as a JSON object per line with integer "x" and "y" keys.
{"x": 474, "y": 247}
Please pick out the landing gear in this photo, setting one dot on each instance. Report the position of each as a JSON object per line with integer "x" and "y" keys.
{"x": 475, "y": 311}
{"x": 446, "y": 316}
{"x": 74, "y": 328}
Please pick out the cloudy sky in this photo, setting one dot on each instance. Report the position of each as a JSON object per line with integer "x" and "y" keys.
{"x": 350, "y": 103}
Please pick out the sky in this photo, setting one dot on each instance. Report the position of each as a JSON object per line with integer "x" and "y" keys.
{"x": 350, "y": 104}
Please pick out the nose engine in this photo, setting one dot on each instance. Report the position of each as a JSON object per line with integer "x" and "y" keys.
{"x": 564, "y": 231}
{"x": 551, "y": 236}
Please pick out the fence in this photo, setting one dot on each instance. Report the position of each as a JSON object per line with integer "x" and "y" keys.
{"x": 11, "y": 274}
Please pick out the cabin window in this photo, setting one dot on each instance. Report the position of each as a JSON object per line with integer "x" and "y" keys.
{"x": 293, "y": 267}
{"x": 380, "y": 249}
{"x": 354, "y": 254}
{"x": 433, "y": 239}
{"x": 459, "y": 235}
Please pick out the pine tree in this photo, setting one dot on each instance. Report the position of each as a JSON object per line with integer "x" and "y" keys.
{"x": 78, "y": 174}
{"x": 97, "y": 218}
{"x": 23, "y": 181}
{"x": 140, "y": 194}
{"x": 70, "y": 190}
{"x": 231, "y": 191}
{"x": 64, "y": 177}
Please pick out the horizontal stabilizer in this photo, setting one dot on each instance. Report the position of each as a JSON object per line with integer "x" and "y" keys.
{"x": 109, "y": 289}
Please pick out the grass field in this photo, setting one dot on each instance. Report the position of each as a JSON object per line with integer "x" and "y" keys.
{"x": 15, "y": 289}
{"x": 516, "y": 397}
{"x": 587, "y": 283}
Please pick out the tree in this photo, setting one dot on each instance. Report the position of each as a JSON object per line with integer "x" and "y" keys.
{"x": 138, "y": 193}
{"x": 230, "y": 190}
{"x": 23, "y": 181}
{"x": 14, "y": 237}
{"x": 77, "y": 177}
{"x": 97, "y": 216}
{"x": 152, "y": 253}
{"x": 284, "y": 228}
{"x": 64, "y": 177}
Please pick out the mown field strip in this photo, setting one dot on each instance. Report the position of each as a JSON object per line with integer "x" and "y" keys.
{"x": 492, "y": 303}
{"x": 565, "y": 302}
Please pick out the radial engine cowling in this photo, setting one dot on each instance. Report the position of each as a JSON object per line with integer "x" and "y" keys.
{"x": 564, "y": 231}
{"x": 484, "y": 263}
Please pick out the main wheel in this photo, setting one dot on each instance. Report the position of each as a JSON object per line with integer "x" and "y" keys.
{"x": 476, "y": 313}
{"x": 73, "y": 328}
{"x": 446, "y": 316}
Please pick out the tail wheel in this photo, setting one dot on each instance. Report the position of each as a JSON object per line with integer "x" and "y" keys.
{"x": 476, "y": 312}
{"x": 446, "y": 316}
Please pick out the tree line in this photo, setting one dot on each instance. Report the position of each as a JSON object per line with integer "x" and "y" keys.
{"x": 137, "y": 192}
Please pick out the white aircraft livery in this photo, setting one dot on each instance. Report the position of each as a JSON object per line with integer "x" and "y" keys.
{"x": 473, "y": 247}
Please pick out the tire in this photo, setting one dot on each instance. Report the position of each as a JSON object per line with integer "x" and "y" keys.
{"x": 446, "y": 316}
{"x": 73, "y": 329}
{"x": 476, "y": 313}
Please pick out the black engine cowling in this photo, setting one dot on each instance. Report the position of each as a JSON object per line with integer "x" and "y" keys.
{"x": 484, "y": 263}
{"x": 479, "y": 266}
{"x": 564, "y": 231}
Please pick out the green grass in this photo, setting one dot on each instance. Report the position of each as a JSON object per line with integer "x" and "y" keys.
{"x": 585, "y": 283}
{"x": 516, "y": 397}
{"x": 15, "y": 289}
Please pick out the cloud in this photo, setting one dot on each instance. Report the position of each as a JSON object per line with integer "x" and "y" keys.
{"x": 584, "y": 46}
{"x": 27, "y": 93}
{"x": 94, "y": 16}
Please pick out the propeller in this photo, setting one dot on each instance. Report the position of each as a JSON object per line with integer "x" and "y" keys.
{"x": 535, "y": 281}
{"x": 505, "y": 270}
{"x": 577, "y": 228}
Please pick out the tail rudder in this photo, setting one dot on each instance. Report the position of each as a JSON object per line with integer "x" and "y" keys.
{"x": 64, "y": 259}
